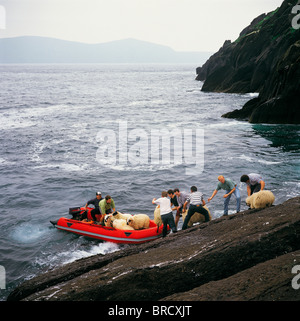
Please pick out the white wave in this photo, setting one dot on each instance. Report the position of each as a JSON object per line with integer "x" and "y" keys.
{"x": 6, "y": 162}
{"x": 268, "y": 162}
{"x": 28, "y": 116}
{"x": 73, "y": 253}
{"x": 65, "y": 167}
{"x": 101, "y": 248}
{"x": 253, "y": 160}
{"x": 28, "y": 232}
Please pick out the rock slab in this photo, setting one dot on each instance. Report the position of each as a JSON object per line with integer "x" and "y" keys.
{"x": 245, "y": 256}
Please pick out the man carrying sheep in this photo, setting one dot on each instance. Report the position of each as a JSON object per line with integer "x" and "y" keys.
{"x": 106, "y": 205}
{"x": 254, "y": 183}
{"x": 231, "y": 188}
{"x": 165, "y": 213}
{"x": 196, "y": 202}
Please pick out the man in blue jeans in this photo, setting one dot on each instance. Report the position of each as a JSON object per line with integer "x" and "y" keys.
{"x": 231, "y": 188}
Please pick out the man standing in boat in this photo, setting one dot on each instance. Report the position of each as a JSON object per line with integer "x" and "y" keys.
{"x": 106, "y": 205}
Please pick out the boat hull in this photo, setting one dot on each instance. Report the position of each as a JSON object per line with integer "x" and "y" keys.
{"x": 109, "y": 234}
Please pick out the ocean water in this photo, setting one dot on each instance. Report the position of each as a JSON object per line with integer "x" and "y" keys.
{"x": 63, "y": 136}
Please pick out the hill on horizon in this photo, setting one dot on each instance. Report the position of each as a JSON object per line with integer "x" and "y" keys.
{"x": 33, "y": 49}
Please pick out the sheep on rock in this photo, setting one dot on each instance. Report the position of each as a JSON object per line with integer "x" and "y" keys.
{"x": 260, "y": 200}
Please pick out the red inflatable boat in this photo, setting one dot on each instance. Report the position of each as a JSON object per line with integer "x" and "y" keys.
{"x": 110, "y": 234}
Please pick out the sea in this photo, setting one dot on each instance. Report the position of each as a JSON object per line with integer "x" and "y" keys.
{"x": 129, "y": 131}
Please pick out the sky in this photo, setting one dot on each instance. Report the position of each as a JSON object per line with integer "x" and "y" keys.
{"x": 183, "y": 25}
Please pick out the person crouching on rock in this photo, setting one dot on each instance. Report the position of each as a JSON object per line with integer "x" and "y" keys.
{"x": 165, "y": 213}
{"x": 254, "y": 183}
{"x": 196, "y": 202}
{"x": 231, "y": 188}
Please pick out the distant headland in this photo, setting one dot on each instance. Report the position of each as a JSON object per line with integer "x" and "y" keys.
{"x": 32, "y": 49}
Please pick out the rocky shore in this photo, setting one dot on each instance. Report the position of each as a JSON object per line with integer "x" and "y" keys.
{"x": 245, "y": 256}
{"x": 264, "y": 59}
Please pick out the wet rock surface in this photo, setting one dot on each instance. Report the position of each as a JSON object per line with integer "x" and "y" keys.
{"x": 245, "y": 256}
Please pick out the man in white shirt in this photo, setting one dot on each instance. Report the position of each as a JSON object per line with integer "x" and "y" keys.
{"x": 165, "y": 213}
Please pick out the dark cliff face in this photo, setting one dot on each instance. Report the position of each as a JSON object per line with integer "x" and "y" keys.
{"x": 265, "y": 59}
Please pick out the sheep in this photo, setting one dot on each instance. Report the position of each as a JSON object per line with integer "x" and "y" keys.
{"x": 139, "y": 221}
{"x": 197, "y": 217}
{"x": 260, "y": 200}
{"x": 118, "y": 215}
{"x": 121, "y": 224}
{"x": 157, "y": 217}
{"x": 108, "y": 220}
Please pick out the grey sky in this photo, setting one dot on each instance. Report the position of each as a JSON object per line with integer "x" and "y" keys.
{"x": 184, "y": 25}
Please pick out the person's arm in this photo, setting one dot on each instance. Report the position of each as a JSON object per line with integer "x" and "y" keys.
{"x": 102, "y": 207}
{"x": 154, "y": 201}
{"x": 262, "y": 184}
{"x": 87, "y": 204}
{"x": 112, "y": 204}
{"x": 213, "y": 195}
{"x": 248, "y": 190}
{"x": 226, "y": 195}
{"x": 184, "y": 206}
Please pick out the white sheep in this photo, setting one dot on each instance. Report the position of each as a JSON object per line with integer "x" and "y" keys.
{"x": 107, "y": 220}
{"x": 139, "y": 221}
{"x": 121, "y": 224}
{"x": 261, "y": 199}
{"x": 196, "y": 217}
{"x": 157, "y": 217}
{"x": 118, "y": 215}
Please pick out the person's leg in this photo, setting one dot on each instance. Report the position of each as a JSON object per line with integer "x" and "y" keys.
{"x": 94, "y": 212}
{"x": 255, "y": 188}
{"x": 191, "y": 211}
{"x": 203, "y": 211}
{"x": 177, "y": 216}
{"x": 238, "y": 199}
{"x": 164, "y": 220}
{"x": 226, "y": 203}
{"x": 171, "y": 222}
